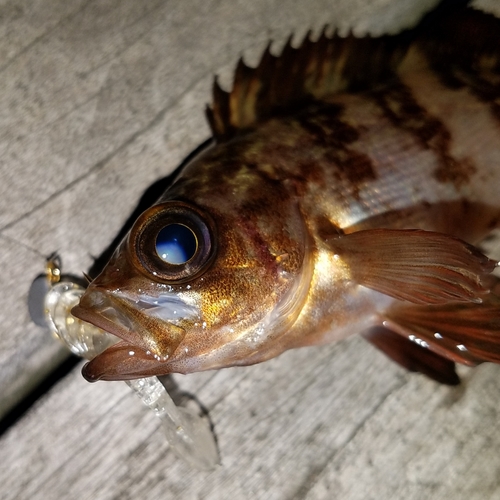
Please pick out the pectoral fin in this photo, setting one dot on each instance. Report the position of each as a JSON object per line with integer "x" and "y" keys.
{"x": 413, "y": 356}
{"x": 466, "y": 333}
{"x": 417, "y": 266}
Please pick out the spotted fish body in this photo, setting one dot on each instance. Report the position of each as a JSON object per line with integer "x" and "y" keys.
{"x": 348, "y": 182}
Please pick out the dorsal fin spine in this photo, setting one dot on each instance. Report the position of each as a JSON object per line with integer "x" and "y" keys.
{"x": 332, "y": 64}
{"x": 310, "y": 71}
{"x": 218, "y": 113}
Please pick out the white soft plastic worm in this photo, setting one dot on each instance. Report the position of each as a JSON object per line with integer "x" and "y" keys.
{"x": 188, "y": 434}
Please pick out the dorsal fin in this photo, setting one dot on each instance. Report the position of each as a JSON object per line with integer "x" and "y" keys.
{"x": 461, "y": 44}
{"x": 298, "y": 75}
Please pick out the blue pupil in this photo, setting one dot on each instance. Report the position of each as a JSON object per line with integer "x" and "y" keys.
{"x": 176, "y": 244}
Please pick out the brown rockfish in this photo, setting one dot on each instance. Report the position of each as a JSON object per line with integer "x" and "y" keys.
{"x": 347, "y": 185}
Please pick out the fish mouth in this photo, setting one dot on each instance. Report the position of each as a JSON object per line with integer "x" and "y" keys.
{"x": 147, "y": 344}
{"x": 99, "y": 309}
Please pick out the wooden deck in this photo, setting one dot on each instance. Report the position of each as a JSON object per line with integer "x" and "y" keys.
{"x": 98, "y": 100}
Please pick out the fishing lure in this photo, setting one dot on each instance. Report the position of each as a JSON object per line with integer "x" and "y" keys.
{"x": 188, "y": 434}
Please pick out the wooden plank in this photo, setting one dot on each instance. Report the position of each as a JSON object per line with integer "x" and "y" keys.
{"x": 338, "y": 422}
{"x": 100, "y": 100}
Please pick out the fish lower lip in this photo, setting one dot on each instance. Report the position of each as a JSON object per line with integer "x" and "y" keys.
{"x": 121, "y": 361}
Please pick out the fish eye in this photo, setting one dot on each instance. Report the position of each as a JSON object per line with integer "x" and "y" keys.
{"x": 176, "y": 244}
{"x": 173, "y": 242}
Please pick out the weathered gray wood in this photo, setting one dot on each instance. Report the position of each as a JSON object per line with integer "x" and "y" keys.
{"x": 339, "y": 422}
{"x": 100, "y": 99}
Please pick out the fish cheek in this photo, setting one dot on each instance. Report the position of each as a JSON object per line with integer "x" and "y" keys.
{"x": 235, "y": 298}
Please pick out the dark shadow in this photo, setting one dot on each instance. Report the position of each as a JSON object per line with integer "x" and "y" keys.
{"x": 16, "y": 413}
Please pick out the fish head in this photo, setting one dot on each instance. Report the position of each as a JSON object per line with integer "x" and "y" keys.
{"x": 200, "y": 282}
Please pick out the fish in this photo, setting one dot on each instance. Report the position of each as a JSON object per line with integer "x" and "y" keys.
{"x": 348, "y": 188}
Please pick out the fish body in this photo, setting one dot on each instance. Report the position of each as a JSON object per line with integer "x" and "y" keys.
{"x": 349, "y": 181}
